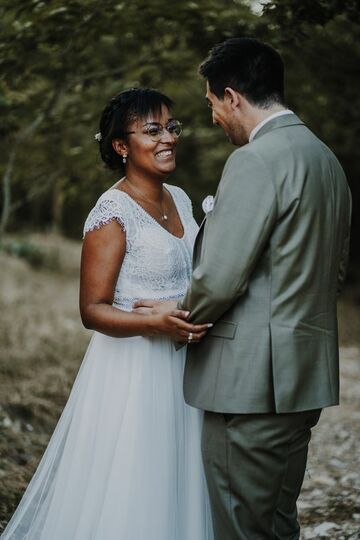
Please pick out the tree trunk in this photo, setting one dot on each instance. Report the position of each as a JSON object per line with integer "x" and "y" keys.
{"x": 6, "y": 189}
{"x": 6, "y": 179}
{"x": 57, "y": 206}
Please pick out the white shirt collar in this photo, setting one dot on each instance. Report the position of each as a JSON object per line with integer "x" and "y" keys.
{"x": 261, "y": 124}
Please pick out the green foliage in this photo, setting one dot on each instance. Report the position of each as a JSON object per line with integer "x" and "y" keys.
{"x": 36, "y": 255}
{"x": 297, "y": 19}
{"x": 61, "y": 61}
{"x": 320, "y": 41}
{"x": 25, "y": 250}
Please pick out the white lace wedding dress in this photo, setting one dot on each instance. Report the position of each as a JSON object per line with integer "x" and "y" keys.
{"x": 124, "y": 462}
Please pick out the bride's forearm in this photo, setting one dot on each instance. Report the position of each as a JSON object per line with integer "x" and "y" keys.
{"x": 114, "y": 322}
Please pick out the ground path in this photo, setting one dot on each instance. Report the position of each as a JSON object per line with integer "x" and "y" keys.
{"x": 330, "y": 500}
{"x": 42, "y": 343}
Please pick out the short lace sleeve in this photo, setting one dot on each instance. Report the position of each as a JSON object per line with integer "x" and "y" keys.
{"x": 107, "y": 209}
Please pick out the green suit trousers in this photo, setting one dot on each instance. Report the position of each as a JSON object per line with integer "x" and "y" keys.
{"x": 255, "y": 466}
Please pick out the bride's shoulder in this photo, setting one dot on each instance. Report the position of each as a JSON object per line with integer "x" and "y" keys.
{"x": 110, "y": 206}
{"x": 179, "y": 195}
{"x": 111, "y": 194}
{"x": 175, "y": 189}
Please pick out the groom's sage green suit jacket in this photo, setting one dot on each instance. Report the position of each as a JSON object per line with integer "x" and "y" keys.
{"x": 269, "y": 261}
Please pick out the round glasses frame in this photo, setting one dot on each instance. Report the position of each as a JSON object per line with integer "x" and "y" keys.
{"x": 156, "y": 130}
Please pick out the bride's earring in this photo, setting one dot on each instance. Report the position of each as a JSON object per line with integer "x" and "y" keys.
{"x": 124, "y": 158}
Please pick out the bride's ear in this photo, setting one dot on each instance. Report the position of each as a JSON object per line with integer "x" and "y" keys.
{"x": 119, "y": 146}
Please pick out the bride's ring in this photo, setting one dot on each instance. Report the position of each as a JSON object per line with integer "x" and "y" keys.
{"x": 190, "y": 337}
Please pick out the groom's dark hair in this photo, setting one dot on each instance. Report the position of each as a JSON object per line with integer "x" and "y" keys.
{"x": 251, "y": 67}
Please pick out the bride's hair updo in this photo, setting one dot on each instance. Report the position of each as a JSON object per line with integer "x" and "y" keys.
{"x": 121, "y": 110}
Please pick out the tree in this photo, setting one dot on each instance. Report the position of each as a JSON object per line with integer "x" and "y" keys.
{"x": 62, "y": 61}
{"x": 320, "y": 41}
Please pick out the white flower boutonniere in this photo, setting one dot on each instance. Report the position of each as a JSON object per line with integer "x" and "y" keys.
{"x": 208, "y": 204}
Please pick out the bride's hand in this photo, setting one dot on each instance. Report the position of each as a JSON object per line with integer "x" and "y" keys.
{"x": 171, "y": 322}
{"x": 173, "y": 325}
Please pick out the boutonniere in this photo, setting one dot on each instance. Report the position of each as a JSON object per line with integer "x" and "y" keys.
{"x": 208, "y": 204}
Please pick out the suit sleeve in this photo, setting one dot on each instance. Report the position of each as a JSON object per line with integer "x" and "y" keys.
{"x": 235, "y": 235}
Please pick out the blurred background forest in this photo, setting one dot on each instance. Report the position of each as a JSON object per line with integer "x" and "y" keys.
{"x": 60, "y": 61}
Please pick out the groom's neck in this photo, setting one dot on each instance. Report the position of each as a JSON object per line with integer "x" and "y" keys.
{"x": 257, "y": 115}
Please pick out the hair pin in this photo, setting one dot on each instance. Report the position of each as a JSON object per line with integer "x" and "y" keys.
{"x": 98, "y": 136}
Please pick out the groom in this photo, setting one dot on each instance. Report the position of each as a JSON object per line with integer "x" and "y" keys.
{"x": 269, "y": 261}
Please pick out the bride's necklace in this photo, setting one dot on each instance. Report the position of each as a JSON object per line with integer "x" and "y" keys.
{"x": 140, "y": 195}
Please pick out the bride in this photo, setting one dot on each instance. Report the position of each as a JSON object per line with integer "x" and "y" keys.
{"x": 124, "y": 462}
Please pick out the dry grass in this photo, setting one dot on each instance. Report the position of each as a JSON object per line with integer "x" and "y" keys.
{"x": 349, "y": 317}
{"x": 42, "y": 343}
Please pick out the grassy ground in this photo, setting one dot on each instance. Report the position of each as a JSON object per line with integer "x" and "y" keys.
{"x": 42, "y": 343}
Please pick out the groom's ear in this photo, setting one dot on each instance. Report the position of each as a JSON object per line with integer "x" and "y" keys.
{"x": 233, "y": 97}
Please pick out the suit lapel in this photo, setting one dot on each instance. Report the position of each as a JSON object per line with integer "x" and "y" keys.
{"x": 198, "y": 242}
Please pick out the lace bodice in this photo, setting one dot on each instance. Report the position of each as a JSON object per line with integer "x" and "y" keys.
{"x": 157, "y": 265}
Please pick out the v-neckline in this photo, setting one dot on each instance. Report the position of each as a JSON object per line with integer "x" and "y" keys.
{"x": 152, "y": 218}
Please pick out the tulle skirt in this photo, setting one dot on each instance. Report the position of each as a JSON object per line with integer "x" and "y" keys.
{"x": 124, "y": 462}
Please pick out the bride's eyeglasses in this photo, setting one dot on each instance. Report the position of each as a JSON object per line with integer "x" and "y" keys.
{"x": 155, "y": 130}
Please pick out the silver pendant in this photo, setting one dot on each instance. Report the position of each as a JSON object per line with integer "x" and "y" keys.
{"x": 165, "y": 217}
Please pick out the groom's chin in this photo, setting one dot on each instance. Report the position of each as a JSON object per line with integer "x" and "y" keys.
{"x": 237, "y": 141}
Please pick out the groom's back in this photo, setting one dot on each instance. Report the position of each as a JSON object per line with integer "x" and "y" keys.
{"x": 306, "y": 247}
{"x": 313, "y": 214}
{"x": 283, "y": 352}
